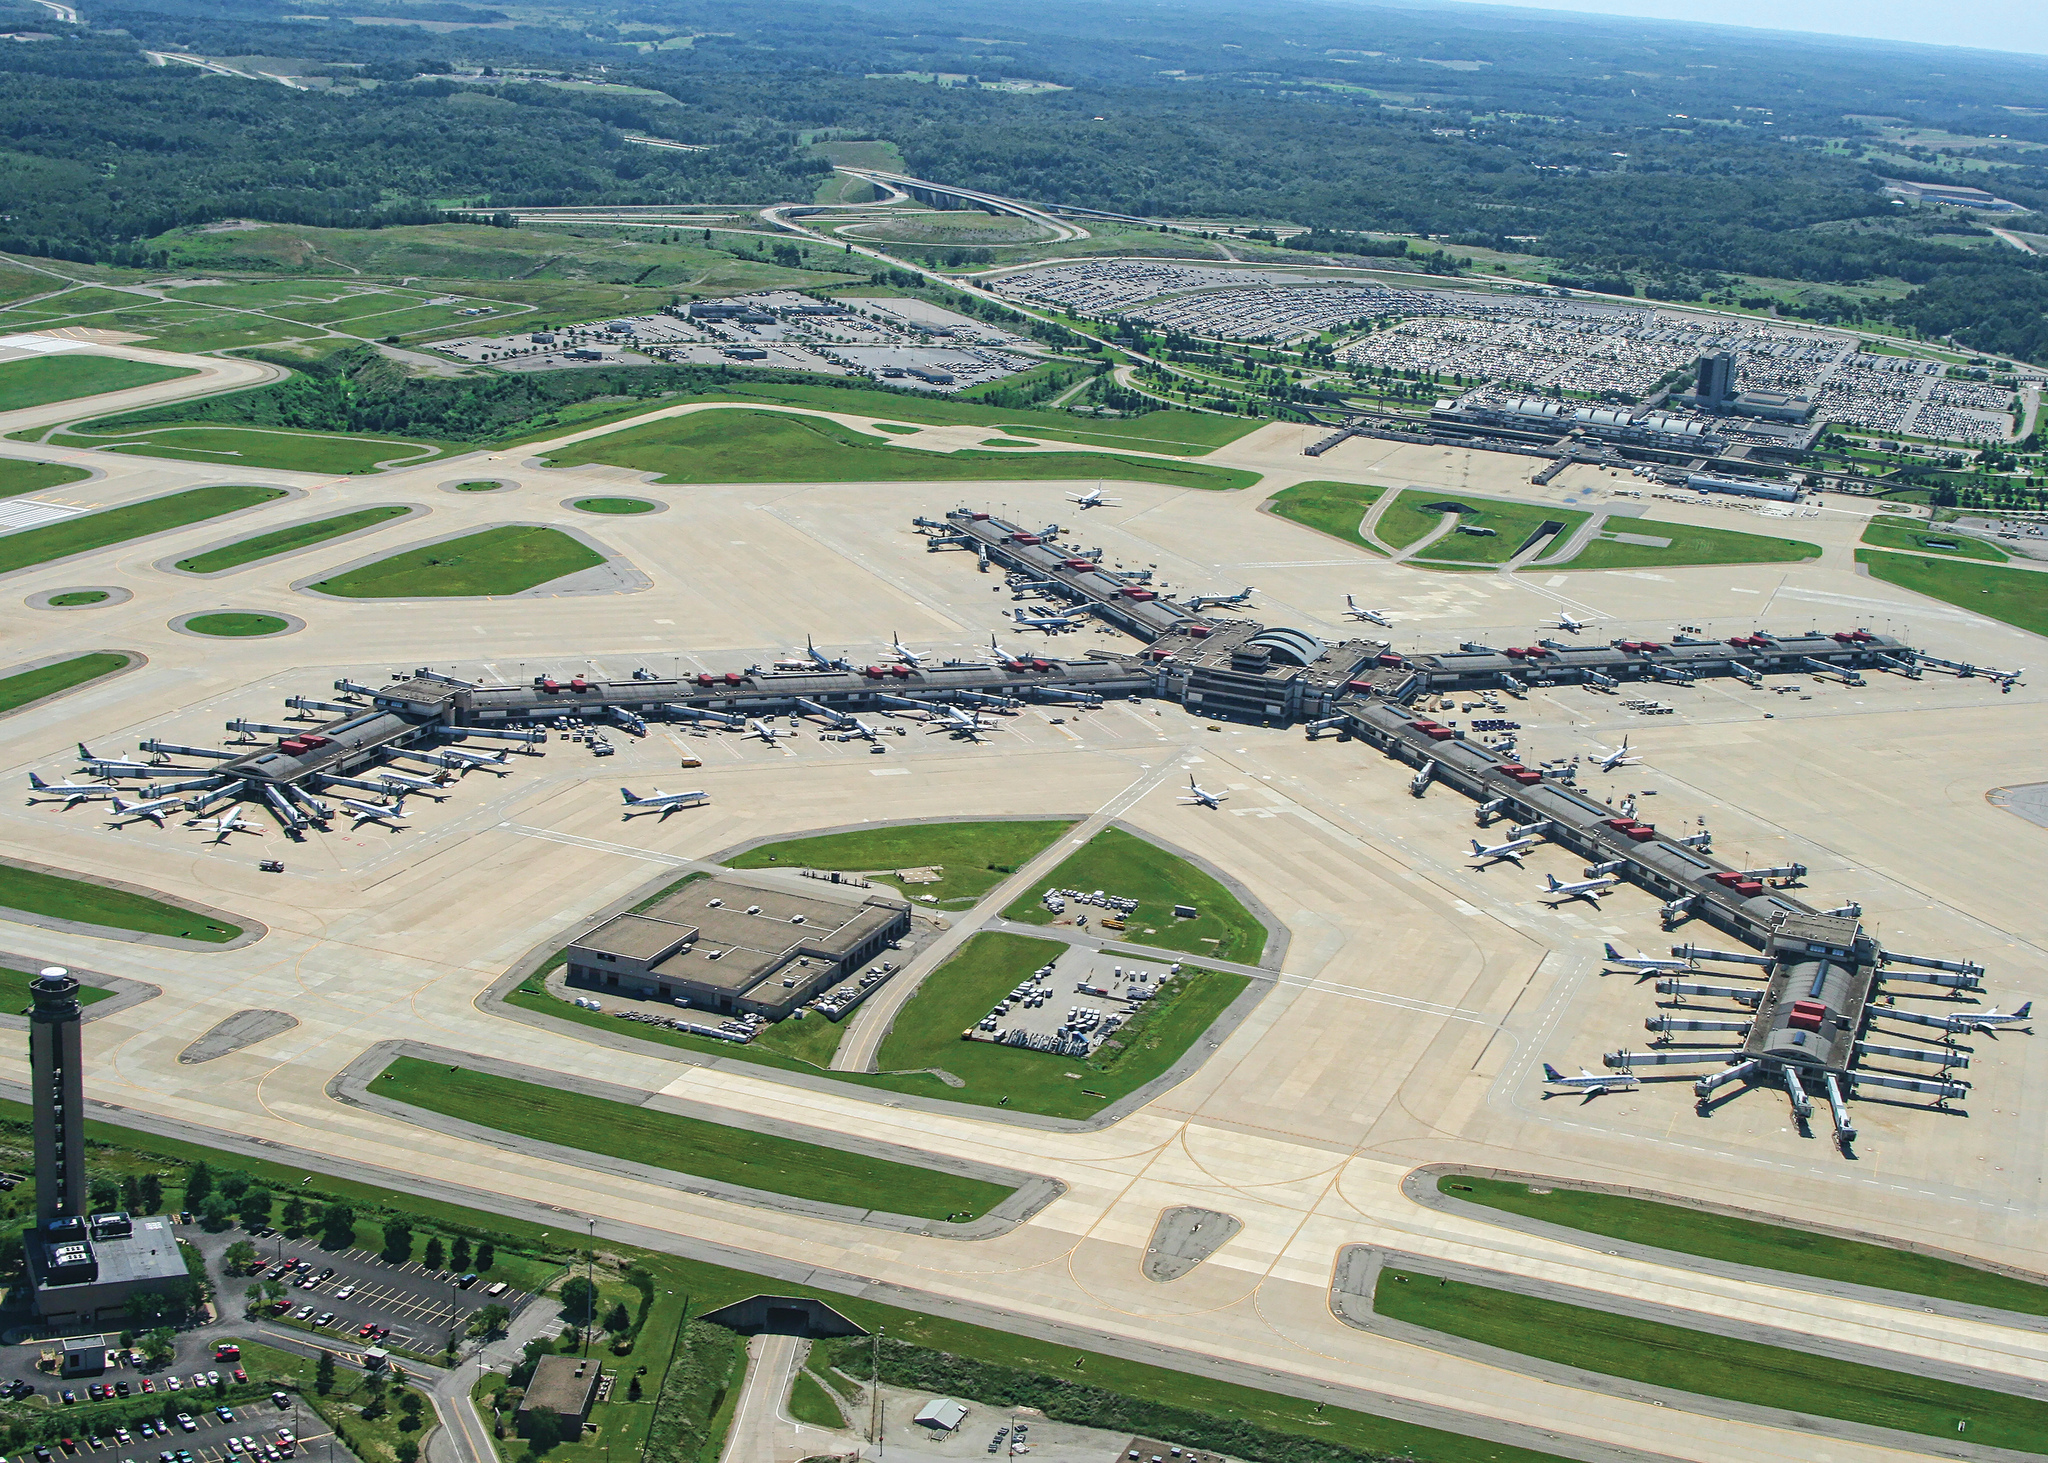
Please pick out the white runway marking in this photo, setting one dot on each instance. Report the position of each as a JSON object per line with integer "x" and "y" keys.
{"x": 27, "y": 513}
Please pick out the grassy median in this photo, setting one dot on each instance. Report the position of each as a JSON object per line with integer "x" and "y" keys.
{"x": 1690, "y": 545}
{"x": 1888, "y": 534}
{"x": 284, "y": 540}
{"x": 18, "y": 476}
{"x": 1125, "y": 865}
{"x": 496, "y": 561}
{"x": 971, "y": 858}
{"x": 29, "y": 686}
{"x": 2015, "y": 596}
{"x": 56, "y": 897}
{"x": 733, "y": 1155}
{"x": 44, "y": 379}
{"x": 14, "y": 993}
{"x": 1337, "y": 509}
{"x": 32, "y": 546}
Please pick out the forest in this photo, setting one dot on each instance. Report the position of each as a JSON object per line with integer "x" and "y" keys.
{"x": 1678, "y": 153}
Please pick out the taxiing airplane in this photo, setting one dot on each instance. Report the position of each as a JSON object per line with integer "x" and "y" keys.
{"x": 1592, "y": 1084}
{"x": 1619, "y": 757}
{"x": 73, "y": 793}
{"x": 153, "y": 810}
{"x": 1579, "y": 889}
{"x": 1647, "y": 964}
{"x": 1202, "y": 602}
{"x": 1050, "y": 624}
{"x": 390, "y": 813}
{"x": 661, "y": 802}
{"x": 1093, "y": 499}
{"x": 904, "y": 653}
{"x": 1358, "y": 611}
{"x": 1199, "y": 794}
{"x": 1513, "y": 849}
{"x": 226, "y": 823}
{"x": 1566, "y": 622}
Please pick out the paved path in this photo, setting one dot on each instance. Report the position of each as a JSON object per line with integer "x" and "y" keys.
{"x": 762, "y": 1429}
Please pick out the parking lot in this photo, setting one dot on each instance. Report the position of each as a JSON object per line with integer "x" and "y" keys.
{"x": 405, "y": 1306}
{"x": 201, "y": 1431}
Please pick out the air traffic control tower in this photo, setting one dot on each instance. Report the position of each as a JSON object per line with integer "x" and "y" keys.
{"x": 57, "y": 1078}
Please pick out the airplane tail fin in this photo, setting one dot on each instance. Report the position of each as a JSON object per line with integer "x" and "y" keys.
{"x": 85, "y": 753}
{"x": 1612, "y": 953}
{"x": 627, "y": 794}
{"x": 1477, "y": 851}
{"x": 36, "y": 782}
{"x": 1551, "y": 879}
{"x": 1350, "y": 603}
{"x": 2024, "y": 1010}
{"x": 1551, "y": 1074}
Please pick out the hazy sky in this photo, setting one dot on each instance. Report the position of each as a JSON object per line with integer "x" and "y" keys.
{"x": 1998, "y": 25}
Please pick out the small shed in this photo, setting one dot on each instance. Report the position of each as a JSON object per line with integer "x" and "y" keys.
{"x": 941, "y": 1414}
{"x": 84, "y": 1356}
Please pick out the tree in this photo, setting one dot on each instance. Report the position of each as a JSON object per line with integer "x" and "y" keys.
{"x": 239, "y": 1257}
{"x": 254, "y": 1211}
{"x": 198, "y": 1184}
{"x": 295, "y": 1215}
{"x": 216, "y": 1213}
{"x": 618, "y": 1320}
{"x": 397, "y": 1242}
{"x": 338, "y": 1227}
{"x": 323, "y": 1373}
{"x": 408, "y": 1451}
{"x": 131, "y": 1193}
{"x": 633, "y": 1389}
{"x": 151, "y": 1194}
{"x": 543, "y": 1430}
{"x": 436, "y": 1257}
{"x": 579, "y": 1300}
{"x": 409, "y": 1406}
{"x": 105, "y": 1193}
{"x": 490, "y": 1321}
{"x": 458, "y": 1253}
{"x": 486, "y": 1257}
{"x": 159, "y": 1345}
{"x": 234, "y": 1183}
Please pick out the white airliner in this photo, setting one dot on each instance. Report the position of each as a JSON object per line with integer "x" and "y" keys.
{"x": 959, "y": 723}
{"x": 1566, "y": 622}
{"x": 1514, "y": 848}
{"x": 1619, "y": 757}
{"x": 153, "y": 810}
{"x": 226, "y": 823}
{"x": 1225, "y": 601}
{"x": 661, "y": 802}
{"x": 115, "y": 766}
{"x": 903, "y": 652}
{"x": 1591, "y": 1084}
{"x": 1581, "y": 889}
{"x": 489, "y": 762}
{"x": 1198, "y": 794}
{"x": 1358, "y": 611}
{"x": 1050, "y": 624}
{"x": 390, "y": 813}
{"x": 1647, "y": 964}
{"x": 767, "y": 733}
{"x": 406, "y": 784}
{"x": 1093, "y": 499}
{"x": 73, "y": 793}
{"x": 1988, "y": 1022}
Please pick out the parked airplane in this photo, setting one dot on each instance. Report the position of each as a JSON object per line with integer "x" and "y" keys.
{"x": 1566, "y": 622}
{"x": 903, "y": 652}
{"x": 73, "y": 793}
{"x": 488, "y": 761}
{"x": 1589, "y": 1083}
{"x": 1198, "y": 794}
{"x": 1619, "y": 757}
{"x": 387, "y": 813}
{"x": 1202, "y": 602}
{"x": 1988, "y": 1022}
{"x": 1647, "y": 964}
{"x": 226, "y": 823}
{"x": 952, "y": 719}
{"x": 406, "y": 784}
{"x": 1358, "y": 611}
{"x": 823, "y": 661}
{"x": 153, "y": 810}
{"x": 1578, "y": 889}
{"x": 1050, "y": 624}
{"x": 113, "y": 766}
{"x": 1093, "y": 499}
{"x": 765, "y": 732}
{"x": 1514, "y": 848}
{"x": 661, "y": 802}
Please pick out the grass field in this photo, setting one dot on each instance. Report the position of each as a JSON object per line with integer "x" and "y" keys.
{"x": 88, "y": 531}
{"x": 743, "y": 446}
{"x": 810, "y": 1039}
{"x": 56, "y": 897}
{"x": 18, "y": 476}
{"x": 1333, "y": 508}
{"x": 1714, "y": 1366}
{"x": 973, "y": 857}
{"x": 20, "y": 690}
{"x": 495, "y": 561}
{"x": 14, "y": 994}
{"x": 284, "y": 540}
{"x": 254, "y": 447}
{"x": 46, "y": 379}
{"x": 959, "y": 993}
{"x": 706, "y": 1150}
{"x": 1406, "y": 521}
{"x": 1885, "y": 535}
{"x": 481, "y": 485}
{"x": 1119, "y": 863}
{"x": 2016, "y": 596}
{"x": 76, "y": 597}
{"x": 1749, "y": 1242}
{"x": 1689, "y": 544}
{"x": 235, "y": 623}
{"x": 614, "y": 505}
{"x": 809, "y": 1402}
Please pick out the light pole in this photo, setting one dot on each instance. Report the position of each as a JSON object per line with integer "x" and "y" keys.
{"x": 590, "y": 1279}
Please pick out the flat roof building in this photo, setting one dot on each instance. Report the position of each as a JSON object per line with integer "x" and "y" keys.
{"x": 564, "y": 1386}
{"x": 733, "y": 947}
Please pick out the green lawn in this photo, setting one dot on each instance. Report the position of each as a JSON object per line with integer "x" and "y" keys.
{"x": 2016, "y": 596}
{"x": 495, "y": 561}
{"x": 481, "y": 485}
{"x": 283, "y": 540}
{"x": 810, "y": 1039}
{"x": 18, "y": 476}
{"x": 1713, "y": 1366}
{"x": 741, "y": 446}
{"x": 1407, "y": 521}
{"x": 235, "y": 623}
{"x": 614, "y": 505}
{"x": 1119, "y": 863}
{"x": 372, "y": 1440}
{"x": 926, "y": 1034}
{"x": 34, "y": 685}
{"x": 1333, "y": 508}
{"x": 46, "y": 379}
{"x": 71, "y": 599}
{"x": 685, "y": 1145}
{"x": 1749, "y": 1242}
{"x": 1887, "y": 535}
{"x": 1689, "y": 545}
{"x": 973, "y": 857}
{"x": 57, "y": 897}
{"x": 809, "y": 1402}
{"x": 14, "y": 994}
{"x": 116, "y": 525}
{"x": 256, "y": 447}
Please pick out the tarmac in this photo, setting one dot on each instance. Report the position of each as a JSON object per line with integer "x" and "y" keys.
{"x": 1403, "y": 1027}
